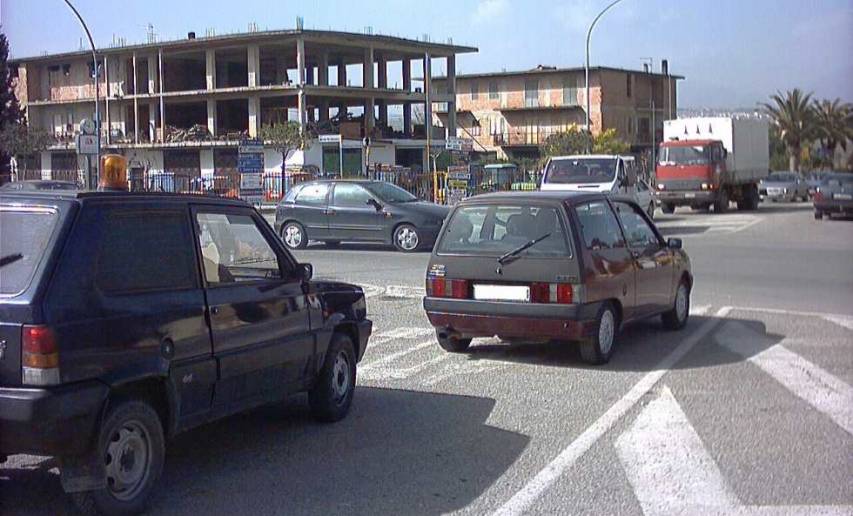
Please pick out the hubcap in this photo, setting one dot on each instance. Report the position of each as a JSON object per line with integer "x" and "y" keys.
{"x": 605, "y": 331}
{"x": 341, "y": 377}
{"x": 407, "y": 238}
{"x": 292, "y": 236}
{"x": 681, "y": 303}
{"x": 128, "y": 460}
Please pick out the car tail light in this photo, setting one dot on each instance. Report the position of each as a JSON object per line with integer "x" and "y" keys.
{"x": 443, "y": 287}
{"x": 556, "y": 293}
{"x": 40, "y": 358}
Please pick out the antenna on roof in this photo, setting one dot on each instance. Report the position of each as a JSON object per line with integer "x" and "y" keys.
{"x": 300, "y": 23}
{"x": 151, "y": 35}
{"x": 209, "y": 32}
{"x": 253, "y": 27}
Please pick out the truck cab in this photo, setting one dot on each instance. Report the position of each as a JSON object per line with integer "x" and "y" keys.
{"x": 690, "y": 171}
{"x": 599, "y": 173}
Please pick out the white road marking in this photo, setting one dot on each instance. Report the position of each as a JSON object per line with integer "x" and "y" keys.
{"x": 781, "y": 311}
{"x": 400, "y": 333}
{"x": 390, "y": 357}
{"x": 405, "y": 291}
{"x": 699, "y": 310}
{"x": 672, "y": 472}
{"x": 401, "y": 373}
{"x": 841, "y": 320}
{"x": 667, "y": 464}
{"x": 522, "y": 500}
{"x": 820, "y": 389}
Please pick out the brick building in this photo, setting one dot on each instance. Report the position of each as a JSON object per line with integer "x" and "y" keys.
{"x": 510, "y": 113}
{"x": 181, "y": 107}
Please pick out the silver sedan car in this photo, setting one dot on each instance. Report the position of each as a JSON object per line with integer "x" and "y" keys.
{"x": 784, "y": 186}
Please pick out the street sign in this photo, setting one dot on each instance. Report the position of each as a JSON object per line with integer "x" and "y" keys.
{"x": 251, "y": 147}
{"x": 87, "y": 144}
{"x": 330, "y": 138}
{"x": 455, "y": 143}
{"x": 250, "y": 164}
{"x": 87, "y": 126}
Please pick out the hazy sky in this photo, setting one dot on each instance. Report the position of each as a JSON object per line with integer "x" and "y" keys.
{"x": 733, "y": 53}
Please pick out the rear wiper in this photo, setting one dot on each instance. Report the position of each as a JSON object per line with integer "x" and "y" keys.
{"x": 524, "y": 247}
{"x": 10, "y": 258}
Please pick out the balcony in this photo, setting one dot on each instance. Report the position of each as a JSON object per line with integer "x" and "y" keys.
{"x": 522, "y": 138}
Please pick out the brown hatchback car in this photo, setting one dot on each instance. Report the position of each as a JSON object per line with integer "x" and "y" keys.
{"x": 564, "y": 266}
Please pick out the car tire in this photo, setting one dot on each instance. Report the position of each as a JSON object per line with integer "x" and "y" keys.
{"x": 452, "y": 344}
{"x": 667, "y": 208}
{"x": 818, "y": 215}
{"x": 598, "y": 349}
{"x": 293, "y": 235}
{"x": 406, "y": 238}
{"x": 676, "y": 318}
{"x": 331, "y": 396}
{"x": 130, "y": 427}
{"x": 722, "y": 202}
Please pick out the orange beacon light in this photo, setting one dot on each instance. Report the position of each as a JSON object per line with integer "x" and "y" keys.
{"x": 113, "y": 172}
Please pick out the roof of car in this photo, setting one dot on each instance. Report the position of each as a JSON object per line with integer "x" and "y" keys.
{"x": 87, "y": 195}
{"x": 537, "y": 195}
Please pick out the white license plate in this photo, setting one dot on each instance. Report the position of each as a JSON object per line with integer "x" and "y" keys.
{"x": 501, "y": 293}
{"x": 689, "y": 195}
{"x": 843, "y": 196}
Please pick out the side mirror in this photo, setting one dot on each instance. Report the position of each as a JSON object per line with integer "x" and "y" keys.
{"x": 674, "y": 243}
{"x": 305, "y": 271}
{"x": 373, "y": 202}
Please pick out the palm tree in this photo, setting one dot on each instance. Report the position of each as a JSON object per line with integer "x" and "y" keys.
{"x": 793, "y": 114}
{"x": 834, "y": 121}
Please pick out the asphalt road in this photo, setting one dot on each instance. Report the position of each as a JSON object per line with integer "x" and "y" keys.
{"x": 747, "y": 410}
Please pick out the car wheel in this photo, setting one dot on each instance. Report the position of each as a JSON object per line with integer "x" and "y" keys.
{"x": 676, "y": 318}
{"x": 722, "y": 202}
{"x": 132, "y": 448}
{"x": 406, "y": 238}
{"x": 598, "y": 349}
{"x": 667, "y": 208}
{"x": 331, "y": 396}
{"x": 293, "y": 235}
{"x": 452, "y": 344}
{"x": 818, "y": 215}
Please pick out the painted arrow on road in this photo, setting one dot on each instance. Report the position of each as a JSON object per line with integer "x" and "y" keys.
{"x": 673, "y": 474}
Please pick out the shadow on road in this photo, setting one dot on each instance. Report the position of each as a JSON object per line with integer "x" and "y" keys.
{"x": 398, "y": 452}
{"x": 639, "y": 348}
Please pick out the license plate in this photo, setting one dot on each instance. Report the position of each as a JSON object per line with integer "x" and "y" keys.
{"x": 501, "y": 293}
{"x": 843, "y": 196}
{"x": 689, "y": 195}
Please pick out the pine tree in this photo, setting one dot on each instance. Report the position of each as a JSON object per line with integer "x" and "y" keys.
{"x": 10, "y": 111}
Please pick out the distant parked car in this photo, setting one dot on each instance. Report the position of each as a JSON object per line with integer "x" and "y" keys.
{"x": 813, "y": 181}
{"x": 357, "y": 211}
{"x": 40, "y": 185}
{"x": 645, "y": 198}
{"x": 834, "y": 195}
{"x": 783, "y": 186}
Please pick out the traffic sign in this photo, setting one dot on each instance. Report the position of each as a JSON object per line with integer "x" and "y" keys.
{"x": 455, "y": 143}
{"x": 87, "y": 144}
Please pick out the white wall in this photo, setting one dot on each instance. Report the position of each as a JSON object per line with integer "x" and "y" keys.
{"x": 313, "y": 155}
{"x": 206, "y": 158}
{"x": 45, "y": 165}
{"x": 146, "y": 158}
{"x": 383, "y": 153}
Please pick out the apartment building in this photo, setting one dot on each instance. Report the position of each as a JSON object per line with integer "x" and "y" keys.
{"x": 511, "y": 113}
{"x": 182, "y": 107}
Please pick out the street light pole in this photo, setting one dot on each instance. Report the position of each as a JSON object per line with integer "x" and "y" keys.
{"x": 586, "y": 65}
{"x": 97, "y": 100}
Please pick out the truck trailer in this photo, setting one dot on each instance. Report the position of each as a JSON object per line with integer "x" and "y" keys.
{"x": 711, "y": 161}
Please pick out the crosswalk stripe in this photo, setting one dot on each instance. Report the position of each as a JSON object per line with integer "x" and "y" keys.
{"x": 390, "y": 357}
{"x": 817, "y": 387}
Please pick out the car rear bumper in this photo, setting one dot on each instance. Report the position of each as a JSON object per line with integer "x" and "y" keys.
{"x": 521, "y": 320}
{"x": 50, "y": 421}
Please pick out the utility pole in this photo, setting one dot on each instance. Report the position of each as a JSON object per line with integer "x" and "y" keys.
{"x": 89, "y": 179}
{"x": 586, "y": 67}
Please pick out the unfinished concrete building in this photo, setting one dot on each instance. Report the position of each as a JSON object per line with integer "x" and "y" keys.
{"x": 181, "y": 107}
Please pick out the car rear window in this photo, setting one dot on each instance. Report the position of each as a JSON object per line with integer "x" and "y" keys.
{"x": 24, "y": 237}
{"x": 497, "y": 229}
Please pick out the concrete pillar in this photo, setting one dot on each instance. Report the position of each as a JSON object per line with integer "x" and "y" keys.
{"x": 369, "y": 111}
{"x": 254, "y": 116}
{"x": 428, "y": 94}
{"x": 407, "y": 106}
{"x": 324, "y": 110}
{"x": 367, "y": 66}
{"x": 107, "y": 99}
{"x": 342, "y": 73}
{"x": 382, "y": 76}
{"x": 152, "y": 121}
{"x": 46, "y": 165}
{"x": 162, "y": 106}
{"x": 300, "y": 81}
{"x": 211, "y": 116}
{"x": 253, "y": 54}
{"x": 323, "y": 70}
{"x": 210, "y": 68}
{"x": 451, "y": 90}
{"x": 207, "y": 166}
{"x": 152, "y": 74}
{"x": 135, "y": 103}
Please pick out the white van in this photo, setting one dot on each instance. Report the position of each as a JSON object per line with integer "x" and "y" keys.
{"x": 591, "y": 173}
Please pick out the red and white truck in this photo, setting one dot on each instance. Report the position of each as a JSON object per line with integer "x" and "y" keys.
{"x": 711, "y": 161}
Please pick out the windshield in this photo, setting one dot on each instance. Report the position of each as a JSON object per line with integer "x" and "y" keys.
{"x": 683, "y": 155}
{"x": 781, "y": 177}
{"x": 494, "y": 230}
{"x": 24, "y": 235}
{"x": 390, "y": 193}
{"x": 839, "y": 180}
{"x": 581, "y": 170}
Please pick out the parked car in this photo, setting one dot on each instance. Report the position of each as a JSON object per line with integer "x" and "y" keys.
{"x": 128, "y": 318}
{"x": 783, "y": 186}
{"x": 813, "y": 181}
{"x": 834, "y": 195}
{"x": 40, "y": 185}
{"x": 357, "y": 211}
{"x": 553, "y": 265}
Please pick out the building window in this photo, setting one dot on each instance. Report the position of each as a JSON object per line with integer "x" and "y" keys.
{"x": 475, "y": 128}
{"x": 643, "y": 128}
{"x": 628, "y": 83}
{"x": 475, "y": 90}
{"x": 630, "y": 125}
{"x": 571, "y": 86}
{"x": 531, "y": 93}
{"x": 493, "y": 90}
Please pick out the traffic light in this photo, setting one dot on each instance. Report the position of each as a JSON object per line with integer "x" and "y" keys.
{"x": 113, "y": 172}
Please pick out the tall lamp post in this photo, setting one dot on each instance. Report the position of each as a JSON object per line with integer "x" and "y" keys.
{"x": 97, "y": 100}
{"x": 586, "y": 65}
